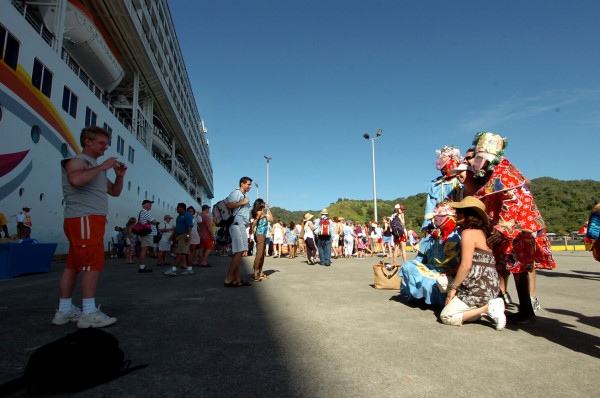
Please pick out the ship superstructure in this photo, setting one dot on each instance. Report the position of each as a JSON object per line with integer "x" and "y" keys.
{"x": 116, "y": 64}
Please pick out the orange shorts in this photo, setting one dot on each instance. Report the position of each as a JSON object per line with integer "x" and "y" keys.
{"x": 206, "y": 244}
{"x": 86, "y": 242}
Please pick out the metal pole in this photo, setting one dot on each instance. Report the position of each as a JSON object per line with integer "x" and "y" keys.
{"x": 374, "y": 184}
{"x": 268, "y": 180}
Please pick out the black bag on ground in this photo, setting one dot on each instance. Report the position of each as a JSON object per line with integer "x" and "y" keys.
{"x": 88, "y": 357}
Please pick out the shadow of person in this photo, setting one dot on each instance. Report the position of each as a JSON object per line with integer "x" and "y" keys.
{"x": 576, "y": 274}
{"x": 593, "y": 321}
{"x": 563, "y": 334}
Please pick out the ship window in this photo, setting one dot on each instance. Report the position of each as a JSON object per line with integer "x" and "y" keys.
{"x": 131, "y": 155}
{"x": 69, "y": 102}
{"x": 109, "y": 129}
{"x": 138, "y": 191}
{"x": 41, "y": 197}
{"x": 11, "y": 49}
{"x": 129, "y": 186}
{"x": 64, "y": 151}
{"x": 35, "y": 134}
{"x": 120, "y": 145}
{"x": 21, "y": 191}
{"x": 41, "y": 78}
{"x": 90, "y": 117}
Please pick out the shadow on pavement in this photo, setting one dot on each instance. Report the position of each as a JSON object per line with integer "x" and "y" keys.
{"x": 563, "y": 334}
{"x": 198, "y": 337}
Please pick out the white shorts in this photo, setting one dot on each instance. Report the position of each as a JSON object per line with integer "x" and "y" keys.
{"x": 239, "y": 238}
{"x": 164, "y": 246}
{"x": 335, "y": 242}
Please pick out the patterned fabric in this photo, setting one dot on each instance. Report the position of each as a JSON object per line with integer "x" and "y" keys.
{"x": 482, "y": 283}
{"x": 435, "y": 258}
{"x": 511, "y": 207}
{"x": 439, "y": 190}
{"x": 262, "y": 226}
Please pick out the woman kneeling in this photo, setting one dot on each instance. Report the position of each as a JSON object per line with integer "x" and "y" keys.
{"x": 474, "y": 290}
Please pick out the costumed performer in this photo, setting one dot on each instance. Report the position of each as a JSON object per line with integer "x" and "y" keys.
{"x": 519, "y": 237}
{"x": 441, "y": 188}
{"x": 438, "y": 255}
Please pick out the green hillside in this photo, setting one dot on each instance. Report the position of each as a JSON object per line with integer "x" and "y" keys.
{"x": 565, "y": 205}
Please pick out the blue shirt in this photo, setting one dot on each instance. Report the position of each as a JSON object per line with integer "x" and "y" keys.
{"x": 182, "y": 222}
{"x": 241, "y": 214}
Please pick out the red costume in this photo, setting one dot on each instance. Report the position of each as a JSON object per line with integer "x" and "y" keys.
{"x": 510, "y": 205}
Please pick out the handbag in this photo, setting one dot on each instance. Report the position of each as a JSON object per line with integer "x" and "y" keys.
{"x": 386, "y": 279}
{"x": 141, "y": 228}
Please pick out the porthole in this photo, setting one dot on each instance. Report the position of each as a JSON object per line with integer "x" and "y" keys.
{"x": 21, "y": 191}
{"x": 42, "y": 197}
{"x": 129, "y": 186}
{"x": 35, "y": 134}
{"x": 64, "y": 151}
{"x": 62, "y": 203}
{"x": 138, "y": 191}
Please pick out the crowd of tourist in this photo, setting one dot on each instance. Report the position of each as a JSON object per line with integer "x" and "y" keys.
{"x": 480, "y": 226}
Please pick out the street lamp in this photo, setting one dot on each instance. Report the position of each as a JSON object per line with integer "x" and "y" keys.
{"x": 368, "y": 137}
{"x": 268, "y": 159}
{"x": 256, "y": 184}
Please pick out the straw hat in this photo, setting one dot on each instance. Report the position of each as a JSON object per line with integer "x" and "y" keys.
{"x": 472, "y": 203}
{"x": 308, "y": 216}
{"x": 324, "y": 211}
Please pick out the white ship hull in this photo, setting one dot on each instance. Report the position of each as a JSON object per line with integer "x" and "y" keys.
{"x": 30, "y": 167}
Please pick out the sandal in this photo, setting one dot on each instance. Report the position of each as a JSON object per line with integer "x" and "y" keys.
{"x": 264, "y": 276}
{"x": 244, "y": 283}
{"x": 256, "y": 279}
{"x": 232, "y": 284}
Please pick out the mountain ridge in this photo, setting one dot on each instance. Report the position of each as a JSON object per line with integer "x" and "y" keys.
{"x": 564, "y": 204}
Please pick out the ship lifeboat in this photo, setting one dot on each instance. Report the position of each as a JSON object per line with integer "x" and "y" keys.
{"x": 86, "y": 44}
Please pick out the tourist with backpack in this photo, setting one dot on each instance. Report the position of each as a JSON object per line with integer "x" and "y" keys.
{"x": 399, "y": 232}
{"x": 240, "y": 206}
{"x": 325, "y": 231}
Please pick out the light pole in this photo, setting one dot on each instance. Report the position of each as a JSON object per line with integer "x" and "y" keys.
{"x": 256, "y": 183}
{"x": 268, "y": 159}
{"x": 368, "y": 137}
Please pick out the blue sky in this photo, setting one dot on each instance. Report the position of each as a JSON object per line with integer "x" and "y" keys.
{"x": 302, "y": 81}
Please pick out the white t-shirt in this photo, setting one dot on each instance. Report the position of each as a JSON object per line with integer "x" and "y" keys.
{"x": 165, "y": 235}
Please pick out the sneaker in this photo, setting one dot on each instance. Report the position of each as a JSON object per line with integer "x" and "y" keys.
{"x": 535, "y": 303}
{"x": 144, "y": 270}
{"x": 187, "y": 272}
{"x": 170, "y": 272}
{"x": 496, "y": 312}
{"x": 95, "y": 319}
{"x": 62, "y": 318}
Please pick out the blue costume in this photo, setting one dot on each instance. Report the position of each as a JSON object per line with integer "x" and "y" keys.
{"x": 438, "y": 191}
{"x": 435, "y": 258}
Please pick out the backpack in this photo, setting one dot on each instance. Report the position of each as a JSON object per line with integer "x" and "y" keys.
{"x": 397, "y": 227}
{"x": 222, "y": 215}
{"x": 89, "y": 356}
{"x": 325, "y": 227}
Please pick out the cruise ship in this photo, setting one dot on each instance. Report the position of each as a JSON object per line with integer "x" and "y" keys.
{"x": 117, "y": 64}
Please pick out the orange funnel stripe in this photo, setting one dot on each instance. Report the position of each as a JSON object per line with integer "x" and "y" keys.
{"x": 20, "y": 83}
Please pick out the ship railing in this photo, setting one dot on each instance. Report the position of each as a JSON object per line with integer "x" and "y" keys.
{"x": 164, "y": 162}
{"x": 162, "y": 135}
{"x": 74, "y": 66}
{"x": 34, "y": 22}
